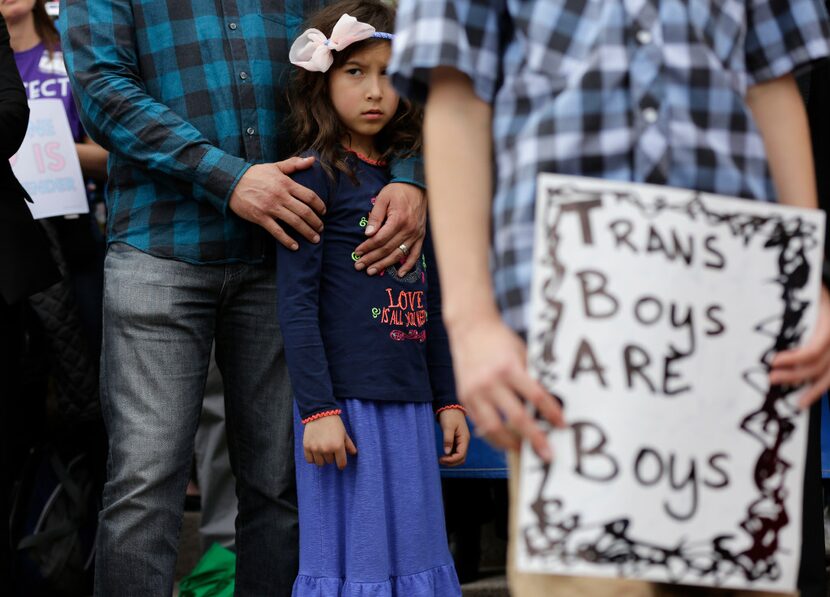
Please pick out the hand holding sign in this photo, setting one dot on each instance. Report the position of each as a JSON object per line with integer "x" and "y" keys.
{"x": 809, "y": 363}
{"x": 656, "y": 314}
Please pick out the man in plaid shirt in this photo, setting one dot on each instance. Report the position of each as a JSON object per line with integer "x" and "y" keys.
{"x": 694, "y": 94}
{"x": 187, "y": 97}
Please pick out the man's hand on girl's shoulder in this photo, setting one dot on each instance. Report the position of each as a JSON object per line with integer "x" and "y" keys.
{"x": 266, "y": 194}
{"x": 325, "y": 441}
{"x": 396, "y": 230}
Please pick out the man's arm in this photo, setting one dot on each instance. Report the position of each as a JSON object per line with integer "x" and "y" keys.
{"x": 99, "y": 46}
{"x": 779, "y": 113}
{"x": 490, "y": 361}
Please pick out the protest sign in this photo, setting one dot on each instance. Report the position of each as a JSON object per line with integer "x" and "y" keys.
{"x": 655, "y": 314}
{"x": 47, "y": 163}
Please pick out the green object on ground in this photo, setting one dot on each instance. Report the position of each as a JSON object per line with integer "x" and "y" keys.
{"x": 213, "y": 576}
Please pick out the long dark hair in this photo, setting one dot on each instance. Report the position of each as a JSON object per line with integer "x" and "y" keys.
{"x": 314, "y": 122}
{"x": 45, "y": 27}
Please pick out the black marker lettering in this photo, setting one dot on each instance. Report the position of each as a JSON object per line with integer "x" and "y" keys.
{"x": 586, "y": 361}
{"x": 669, "y": 374}
{"x": 638, "y": 466}
{"x": 713, "y": 464}
{"x": 594, "y": 288}
{"x": 641, "y": 310}
{"x": 582, "y": 208}
{"x": 719, "y": 261}
{"x": 636, "y": 359}
{"x": 599, "y": 459}
{"x": 719, "y": 325}
{"x": 621, "y": 229}
{"x": 678, "y": 485}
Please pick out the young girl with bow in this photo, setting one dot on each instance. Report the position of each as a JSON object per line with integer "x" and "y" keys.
{"x": 368, "y": 355}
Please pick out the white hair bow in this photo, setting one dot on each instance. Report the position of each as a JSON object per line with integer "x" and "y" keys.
{"x": 312, "y": 51}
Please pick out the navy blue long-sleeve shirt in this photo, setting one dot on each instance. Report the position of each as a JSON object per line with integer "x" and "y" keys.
{"x": 349, "y": 335}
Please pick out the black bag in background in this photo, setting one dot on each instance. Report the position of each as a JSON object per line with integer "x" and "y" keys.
{"x": 54, "y": 518}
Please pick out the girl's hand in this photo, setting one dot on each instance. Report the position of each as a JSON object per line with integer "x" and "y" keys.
{"x": 810, "y": 363}
{"x": 494, "y": 385}
{"x": 456, "y": 436}
{"x": 325, "y": 441}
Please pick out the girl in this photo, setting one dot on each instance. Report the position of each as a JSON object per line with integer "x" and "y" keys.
{"x": 368, "y": 356}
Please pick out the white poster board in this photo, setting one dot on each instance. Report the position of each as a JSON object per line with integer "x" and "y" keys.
{"x": 47, "y": 163}
{"x": 655, "y": 312}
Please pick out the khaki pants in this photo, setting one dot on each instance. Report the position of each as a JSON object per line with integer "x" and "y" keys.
{"x": 548, "y": 585}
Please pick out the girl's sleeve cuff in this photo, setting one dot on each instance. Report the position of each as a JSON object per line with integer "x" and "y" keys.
{"x": 451, "y": 407}
{"x": 320, "y": 415}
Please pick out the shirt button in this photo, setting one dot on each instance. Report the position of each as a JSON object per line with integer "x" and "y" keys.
{"x": 232, "y": 26}
{"x": 644, "y": 37}
{"x": 250, "y": 130}
{"x": 650, "y": 115}
{"x": 243, "y": 75}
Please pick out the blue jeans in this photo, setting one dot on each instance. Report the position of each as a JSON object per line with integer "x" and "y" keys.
{"x": 160, "y": 319}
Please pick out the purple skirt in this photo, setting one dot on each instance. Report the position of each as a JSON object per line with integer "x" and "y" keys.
{"x": 375, "y": 529}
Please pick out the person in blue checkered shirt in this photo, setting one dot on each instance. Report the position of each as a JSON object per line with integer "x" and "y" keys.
{"x": 187, "y": 95}
{"x": 694, "y": 94}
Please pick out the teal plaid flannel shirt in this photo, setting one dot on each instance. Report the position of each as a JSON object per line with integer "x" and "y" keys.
{"x": 186, "y": 95}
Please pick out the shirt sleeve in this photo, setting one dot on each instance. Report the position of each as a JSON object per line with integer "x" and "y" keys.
{"x": 784, "y": 36}
{"x": 98, "y": 43}
{"x": 462, "y": 34}
{"x": 298, "y": 310}
{"x": 408, "y": 170}
{"x": 439, "y": 359}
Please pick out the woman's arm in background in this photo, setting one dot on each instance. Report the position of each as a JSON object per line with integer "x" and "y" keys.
{"x": 93, "y": 159}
